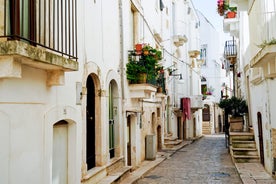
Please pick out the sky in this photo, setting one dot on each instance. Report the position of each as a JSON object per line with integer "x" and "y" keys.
{"x": 209, "y": 9}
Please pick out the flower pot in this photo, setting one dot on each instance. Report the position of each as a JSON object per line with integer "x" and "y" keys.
{"x": 142, "y": 78}
{"x": 231, "y": 14}
{"x": 236, "y": 124}
{"x": 146, "y": 52}
{"x": 159, "y": 89}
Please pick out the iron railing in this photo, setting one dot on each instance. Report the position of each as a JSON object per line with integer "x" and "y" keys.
{"x": 46, "y": 23}
{"x": 230, "y": 49}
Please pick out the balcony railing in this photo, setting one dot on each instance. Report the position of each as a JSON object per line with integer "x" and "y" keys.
{"x": 49, "y": 24}
{"x": 230, "y": 49}
{"x": 268, "y": 27}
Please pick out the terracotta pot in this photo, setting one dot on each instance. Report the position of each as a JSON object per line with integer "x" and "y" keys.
{"x": 138, "y": 48}
{"x": 231, "y": 14}
{"x": 146, "y": 52}
{"x": 159, "y": 90}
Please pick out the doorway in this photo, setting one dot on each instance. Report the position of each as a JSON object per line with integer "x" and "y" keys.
{"x": 194, "y": 132}
{"x": 179, "y": 128}
{"x": 159, "y": 138}
{"x": 60, "y": 153}
{"x": 90, "y": 124}
{"x": 260, "y": 132}
{"x": 129, "y": 140}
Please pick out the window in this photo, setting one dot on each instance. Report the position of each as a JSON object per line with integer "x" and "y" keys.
{"x": 203, "y": 53}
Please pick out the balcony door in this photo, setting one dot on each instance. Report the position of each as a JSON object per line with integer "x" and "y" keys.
{"x": 21, "y": 19}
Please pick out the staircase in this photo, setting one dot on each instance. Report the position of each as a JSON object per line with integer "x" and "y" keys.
{"x": 206, "y": 128}
{"x": 243, "y": 147}
{"x": 171, "y": 142}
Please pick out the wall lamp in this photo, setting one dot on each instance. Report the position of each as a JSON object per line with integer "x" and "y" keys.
{"x": 180, "y": 75}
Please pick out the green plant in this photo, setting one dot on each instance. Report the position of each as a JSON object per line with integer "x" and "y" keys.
{"x": 265, "y": 43}
{"x": 144, "y": 62}
{"x": 234, "y": 106}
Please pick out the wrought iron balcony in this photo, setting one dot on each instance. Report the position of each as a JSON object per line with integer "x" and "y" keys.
{"x": 40, "y": 34}
{"x": 230, "y": 51}
{"x": 51, "y": 25}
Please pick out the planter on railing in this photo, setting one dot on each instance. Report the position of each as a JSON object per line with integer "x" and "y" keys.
{"x": 144, "y": 59}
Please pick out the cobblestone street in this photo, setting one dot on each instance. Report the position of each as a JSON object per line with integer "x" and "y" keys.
{"x": 205, "y": 161}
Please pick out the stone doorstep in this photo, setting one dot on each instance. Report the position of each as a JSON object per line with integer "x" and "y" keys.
{"x": 143, "y": 169}
{"x": 170, "y": 138}
{"x": 116, "y": 175}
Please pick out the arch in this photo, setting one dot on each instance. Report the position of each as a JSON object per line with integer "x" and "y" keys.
{"x": 113, "y": 117}
{"x": 92, "y": 75}
{"x": 60, "y": 153}
{"x": 114, "y": 114}
{"x": 206, "y": 113}
{"x": 53, "y": 116}
{"x": 93, "y": 126}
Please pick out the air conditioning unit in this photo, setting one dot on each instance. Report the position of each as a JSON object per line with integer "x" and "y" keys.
{"x": 256, "y": 75}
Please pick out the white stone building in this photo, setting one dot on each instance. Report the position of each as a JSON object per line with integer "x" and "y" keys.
{"x": 254, "y": 29}
{"x": 67, "y": 112}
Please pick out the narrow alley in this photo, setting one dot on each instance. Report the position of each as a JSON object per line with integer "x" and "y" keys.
{"x": 205, "y": 161}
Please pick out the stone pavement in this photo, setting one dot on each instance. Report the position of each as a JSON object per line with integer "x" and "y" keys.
{"x": 198, "y": 163}
{"x": 254, "y": 173}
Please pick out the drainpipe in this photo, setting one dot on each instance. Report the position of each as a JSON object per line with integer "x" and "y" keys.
{"x": 122, "y": 71}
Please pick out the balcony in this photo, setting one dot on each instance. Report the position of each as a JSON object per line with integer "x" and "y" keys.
{"x": 179, "y": 40}
{"x": 265, "y": 56}
{"x": 196, "y": 102}
{"x": 194, "y": 53}
{"x": 143, "y": 91}
{"x": 42, "y": 36}
{"x": 230, "y": 51}
{"x": 231, "y": 25}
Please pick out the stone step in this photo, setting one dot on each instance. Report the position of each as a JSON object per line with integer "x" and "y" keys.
{"x": 243, "y": 144}
{"x": 170, "y": 144}
{"x": 243, "y": 151}
{"x": 116, "y": 176}
{"x": 246, "y": 159}
{"x": 170, "y": 138}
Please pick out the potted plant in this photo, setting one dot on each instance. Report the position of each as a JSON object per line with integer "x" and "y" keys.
{"x": 143, "y": 64}
{"x": 231, "y": 12}
{"x": 160, "y": 81}
{"x": 224, "y": 9}
{"x": 236, "y": 107}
